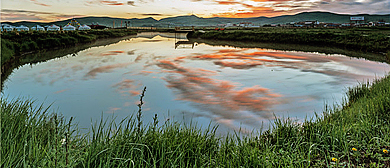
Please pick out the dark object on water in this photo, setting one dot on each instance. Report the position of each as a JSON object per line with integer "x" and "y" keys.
{"x": 97, "y": 26}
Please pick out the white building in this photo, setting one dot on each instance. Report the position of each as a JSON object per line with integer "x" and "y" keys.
{"x": 38, "y": 28}
{"x": 229, "y": 25}
{"x": 68, "y": 28}
{"x": 84, "y": 27}
{"x": 7, "y": 27}
{"x": 22, "y": 28}
{"x": 53, "y": 28}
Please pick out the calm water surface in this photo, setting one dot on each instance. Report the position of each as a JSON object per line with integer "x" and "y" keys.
{"x": 233, "y": 87}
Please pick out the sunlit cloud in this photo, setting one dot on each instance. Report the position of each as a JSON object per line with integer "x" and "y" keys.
{"x": 60, "y": 91}
{"x": 113, "y": 110}
{"x": 16, "y": 15}
{"x": 250, "y": 11}
{"x": 354, "y": 6}
{"x": 132, "y": 3}
{"x": 128, "y": 86}
{"x": 142, "y": 15}
{"x": 111, "y": 3}
{"x": 111, "y": 53}
{"x": 222, "y": 99}
{"x": 105, "y": 69}
{"x": 245, "y": 59}
{"x": 228, "y": 2}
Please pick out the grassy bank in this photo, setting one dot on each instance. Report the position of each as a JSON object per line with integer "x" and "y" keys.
{"x": 294, "y": 47}
{"x": 353, "y": 134}
{"x": 15, "y": 44}
{"x": 365, "y": 40}
{"x": 33, "y": 58}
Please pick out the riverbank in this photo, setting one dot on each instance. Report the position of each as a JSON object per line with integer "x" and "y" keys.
{"x": 16, "y": 44}
{"x": 359, "y": 39}
{"x": 350, "y": 135}
{"x": 293, "y": 47}
{"x": 37, "y": 57}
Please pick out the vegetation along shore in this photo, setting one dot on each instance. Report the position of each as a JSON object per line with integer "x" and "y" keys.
{"x": 353, "y": 134}
{"x": 373, "y": 40}
{"x": 15, "y": 44}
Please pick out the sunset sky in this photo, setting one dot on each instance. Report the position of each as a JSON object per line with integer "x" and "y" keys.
{"x": 54, "y": 10}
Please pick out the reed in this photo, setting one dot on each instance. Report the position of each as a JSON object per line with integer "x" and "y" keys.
{"x": 352, "y": 134}
{"x": 15, "y": 44}
{"x": 371, "y": 40}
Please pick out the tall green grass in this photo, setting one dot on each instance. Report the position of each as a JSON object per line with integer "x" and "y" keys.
{"x": 30, "y": 136}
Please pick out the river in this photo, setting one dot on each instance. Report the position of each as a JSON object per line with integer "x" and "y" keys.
{"x": 236, "y": 88}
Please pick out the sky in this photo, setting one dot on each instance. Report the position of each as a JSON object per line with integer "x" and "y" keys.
{"x": 55, "y": 10}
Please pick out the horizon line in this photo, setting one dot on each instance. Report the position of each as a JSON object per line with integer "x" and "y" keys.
{"x": 188, "y": 15}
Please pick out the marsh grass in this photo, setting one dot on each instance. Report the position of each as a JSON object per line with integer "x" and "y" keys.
{"x": 31, "y": 136}
{"x": 18, "y": 43}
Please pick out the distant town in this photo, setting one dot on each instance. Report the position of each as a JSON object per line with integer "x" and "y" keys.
{"x": 193, "y": 21}
{"x": 354, "y": 22}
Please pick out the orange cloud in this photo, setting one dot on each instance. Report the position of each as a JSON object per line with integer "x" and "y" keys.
{"x": 39, "y": 3}
{"x": 116, "y": 3}
{"x": 238, "y": 65}
{"x": 60, "y": 91}
{"x": 104, "y": 69}
{"x": 109, "y": 53}
{"x": 252, "y": 11}
{"x": 276, "y": 55}
{"x": 227, "y": 2}
{"x": 223, "y": 99}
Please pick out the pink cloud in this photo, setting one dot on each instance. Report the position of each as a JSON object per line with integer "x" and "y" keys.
{"x": 104, "y": 69}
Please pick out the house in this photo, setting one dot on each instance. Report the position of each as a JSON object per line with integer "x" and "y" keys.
{"x": 68, "y": 28}
{"x": 38, "y": 28}
{"x": 97, "y": 26}
{"x": 7, "y": 27}
{"x": 22, "y": 28}
{"x": 53, "y": 28}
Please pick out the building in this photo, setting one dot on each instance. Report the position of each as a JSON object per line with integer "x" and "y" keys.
{"x": 7, "y": 27}
{"x": 22, "y": 28}
{"x": 84, "y": 27}
{"x": 38, "y": 28}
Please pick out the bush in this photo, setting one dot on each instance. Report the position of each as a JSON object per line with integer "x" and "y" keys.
{"x": 7, "y": 50}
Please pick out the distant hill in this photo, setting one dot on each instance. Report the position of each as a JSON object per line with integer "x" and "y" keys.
{"x": 193, "y": 20}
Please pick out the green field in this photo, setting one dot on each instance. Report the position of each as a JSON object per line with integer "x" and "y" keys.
{"x": 15, "y": 44}
{"x": 352, "y": 134}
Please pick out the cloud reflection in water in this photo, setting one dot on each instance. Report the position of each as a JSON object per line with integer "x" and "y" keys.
{"x": 222, "y": 99}
{"x": 226, "y": 102}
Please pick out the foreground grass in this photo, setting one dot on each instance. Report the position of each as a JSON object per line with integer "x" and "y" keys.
{"x": 354, "y": 134}
{"x": 358, "y": 39}
{"x": 14, "y": 44}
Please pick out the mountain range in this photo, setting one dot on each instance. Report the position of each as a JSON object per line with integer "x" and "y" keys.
{"x": 193, "y": 20}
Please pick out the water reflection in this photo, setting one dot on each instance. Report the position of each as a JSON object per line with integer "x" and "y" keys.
{"x": 235, "y": 87}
